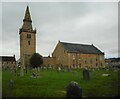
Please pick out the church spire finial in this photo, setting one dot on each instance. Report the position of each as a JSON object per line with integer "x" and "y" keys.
{"x": 27, "y": 15}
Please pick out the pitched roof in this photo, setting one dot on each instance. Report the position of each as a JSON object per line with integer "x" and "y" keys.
{"x": 7, "y": 58}
{"x": 84, "y": 49}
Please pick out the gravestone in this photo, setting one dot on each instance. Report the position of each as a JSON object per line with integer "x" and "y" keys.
{"x": 115, "y": 70}
{"x": 98, "y": 69}
{"x": 86, "y": 75}
{"x": 75, "y": 74}
{"x": 73, "y": 90}
{"x": 107, "y": 69}
{"x": 59, "y": 69}
{"x": 11, "y": 83}
{"x": 21, "y": 72}
{"x": 34, "y": 75}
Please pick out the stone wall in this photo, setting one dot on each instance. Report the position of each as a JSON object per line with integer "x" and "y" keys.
{"x": 27, "y": 50}
{"x": 49, "y": 61}
{"x": 77, "y": 60}
{"x": 61, "y": 55}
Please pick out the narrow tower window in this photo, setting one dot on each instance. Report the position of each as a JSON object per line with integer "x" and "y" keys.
{"x": 28, "y": 42}
{"x": 28, "y": 35}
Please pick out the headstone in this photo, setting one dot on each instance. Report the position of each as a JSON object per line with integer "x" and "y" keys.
{"x": 75, "y": 74}
{"x": 115, "y": 70}
{"x": 34, "y": 74}
{"x": 59, "y": 69}
{"x": 45, "y": 68}
{"x": 68, "y": 69}
{"x": 105, "y": 74}
{"x": 26, "y": 69}
{"x": 73, "y": 91}
{"x": 65, "y": 70}
{"x": 11, "y": 83}
{"x": 89, "y": 69}
{"x": 86, "y": 75}
{"x": 107, "y": 69}
{"x": 38, "y": 68}
{"x": 21, "y": 72}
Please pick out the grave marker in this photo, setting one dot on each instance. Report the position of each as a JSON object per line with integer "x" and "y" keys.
{"x": 86, "y": 75}
{"x": 21, "y": 72}
{"x": 73, "y": 91}
{"x": 11, "y": 83}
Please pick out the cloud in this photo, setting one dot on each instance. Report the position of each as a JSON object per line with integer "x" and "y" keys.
{"x": 86, "y": 22}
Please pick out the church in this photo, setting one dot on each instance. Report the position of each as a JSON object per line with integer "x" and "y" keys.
{"x": 65, "y": 54}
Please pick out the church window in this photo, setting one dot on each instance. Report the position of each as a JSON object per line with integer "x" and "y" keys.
{"x": 73, "y": 57}
{"x": 28, "y": 35}
{"x": 80, "y": 65}
{"x": 96, "y": 59}
{"x": 96, "y": 64}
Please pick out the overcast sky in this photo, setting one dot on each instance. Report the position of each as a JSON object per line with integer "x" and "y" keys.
{"x": 81, "y": 22}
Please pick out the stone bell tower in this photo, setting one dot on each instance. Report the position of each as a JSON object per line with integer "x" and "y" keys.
{"x": 27, "y": 40}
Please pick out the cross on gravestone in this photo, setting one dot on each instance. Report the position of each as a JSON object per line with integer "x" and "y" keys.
{"x": 73, "y": 90}
{"x": 11, "y": 83}
{"x": 86, "y": 75}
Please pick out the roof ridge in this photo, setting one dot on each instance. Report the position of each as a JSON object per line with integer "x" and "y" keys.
{"x": 76, "y": 43}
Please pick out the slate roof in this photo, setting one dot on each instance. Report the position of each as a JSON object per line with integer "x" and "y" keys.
{"x": 7, "y": 58}
{"x": 84, "y": 49}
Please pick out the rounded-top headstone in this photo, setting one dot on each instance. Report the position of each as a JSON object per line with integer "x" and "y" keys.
{"x": 73, "y": 90}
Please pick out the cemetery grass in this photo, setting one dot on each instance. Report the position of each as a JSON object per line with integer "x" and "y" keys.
{"x": 52, "y": 83}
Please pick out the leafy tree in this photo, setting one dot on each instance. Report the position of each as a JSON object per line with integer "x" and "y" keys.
{"x": 36, "y": 60}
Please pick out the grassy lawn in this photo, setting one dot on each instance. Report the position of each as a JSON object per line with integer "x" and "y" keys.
{"x": 53, "y": 84}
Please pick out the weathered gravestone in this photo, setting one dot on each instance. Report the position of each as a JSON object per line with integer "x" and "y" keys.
{"x": 21, "y": 72}
{"x": 11, "y": 83}
{"x": 73, "y": 91}
{"x": 74, "y": 73}
{"x": 86, "y": 75}
{"x": 59, "y": 69}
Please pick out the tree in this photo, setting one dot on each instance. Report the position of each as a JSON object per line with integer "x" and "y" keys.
{"x": 36, "y": 60}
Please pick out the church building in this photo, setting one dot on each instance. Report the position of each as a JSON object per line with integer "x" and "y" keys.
{"x": 65, "y": 54}
{"x": 75, "y": 55}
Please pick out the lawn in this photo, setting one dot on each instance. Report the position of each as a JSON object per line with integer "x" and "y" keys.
{"x": 53, "y": 84}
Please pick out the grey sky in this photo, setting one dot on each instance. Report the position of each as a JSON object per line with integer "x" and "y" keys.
{"x": 80, "y": 22}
